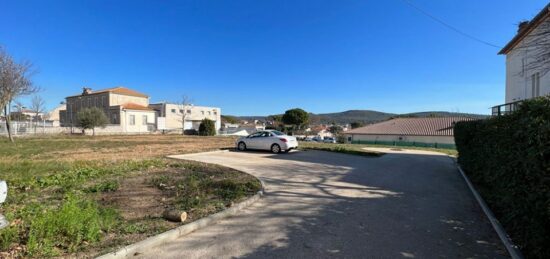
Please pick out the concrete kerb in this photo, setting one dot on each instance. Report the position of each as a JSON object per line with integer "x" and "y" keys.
{"x": 512, "y": 249}
{"x": 154, "y": 241}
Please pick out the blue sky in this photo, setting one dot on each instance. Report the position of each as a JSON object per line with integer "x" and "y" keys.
{"x": 263, "y": 57}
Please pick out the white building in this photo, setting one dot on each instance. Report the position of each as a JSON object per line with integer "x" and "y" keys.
{"x": 170, "y": 116}
{"x": 527, "y": 62}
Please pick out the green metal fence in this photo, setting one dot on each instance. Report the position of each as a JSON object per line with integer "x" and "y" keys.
{"x": 405, "y": 144}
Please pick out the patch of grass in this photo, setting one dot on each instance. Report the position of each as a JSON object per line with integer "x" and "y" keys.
{"x": 358, "y": 149}
{"x": 77, "y": 222}
{"x": 106, "y": 186}
{"x": 340, "y": 148}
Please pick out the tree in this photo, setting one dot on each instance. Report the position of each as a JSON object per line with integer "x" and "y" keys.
{"x": 335, "y": 129}
{"x": 184, "y": 103}
{"x": 229, "y": 119}
{"x": 90, "y": 118}
{"x": 207, "y": 128}
{"x": 295, "y": 117}
{"x": 38, "y": 106}
{"x": 14, "y": 82}
{"x": 356, "y": 124}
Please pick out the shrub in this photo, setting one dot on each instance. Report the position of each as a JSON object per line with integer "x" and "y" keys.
{"x": 207, "y": 128}
{"x": 508, "y": 160}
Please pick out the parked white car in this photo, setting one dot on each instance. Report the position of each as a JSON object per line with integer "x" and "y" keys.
{"x": 329, "y": 140}
{"x": 272, "y": 140}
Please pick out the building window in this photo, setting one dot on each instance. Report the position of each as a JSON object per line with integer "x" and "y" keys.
{"x": 209, "y": 113}
{"x": 95, "y": 101}
{"x": 535, "y": 85}
{"x": 144, "y": 119}
{"x": 189, "y": 111}
{"x": 181, "y": 111}
{"x": 103, "y": 101}
{"x": 202, "y": 112}
{"x": 114, "y": 119}
{"x": 173, "y": 110}
{"x": 89, "y": 102}
{"x": 215, "y": 113}
{"x": 132, "y": 119}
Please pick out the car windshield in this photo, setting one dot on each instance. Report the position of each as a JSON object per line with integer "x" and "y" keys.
{"x": 278, "y": 133}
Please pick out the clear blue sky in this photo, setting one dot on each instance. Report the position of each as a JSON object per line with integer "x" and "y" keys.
{"x": 263, "y": 57}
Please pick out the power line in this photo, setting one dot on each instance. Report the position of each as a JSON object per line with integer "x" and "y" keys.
{"x": 409, "y": 3}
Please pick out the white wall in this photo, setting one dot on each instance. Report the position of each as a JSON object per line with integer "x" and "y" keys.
{"x": 518, "y": 76}
{"x": 138, "y": 127}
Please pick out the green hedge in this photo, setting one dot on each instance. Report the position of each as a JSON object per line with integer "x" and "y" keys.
{"x": 508, "y": 160}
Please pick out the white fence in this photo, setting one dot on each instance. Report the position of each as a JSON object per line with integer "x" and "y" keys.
{"x": 31, "y": 128}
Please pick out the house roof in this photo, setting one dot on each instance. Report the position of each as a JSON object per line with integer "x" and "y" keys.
{"x": 437, "y": 126}
{"x": 135, "y": 106}
{"x": 118, "y": 90}
{"x": 529, "y": 27}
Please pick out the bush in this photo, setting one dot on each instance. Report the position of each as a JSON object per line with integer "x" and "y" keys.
{"x": 207, "y": 128}
{"x": 508, "y": 160}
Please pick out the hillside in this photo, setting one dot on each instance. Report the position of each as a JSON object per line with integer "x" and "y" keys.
{"x": 366, "y": 116}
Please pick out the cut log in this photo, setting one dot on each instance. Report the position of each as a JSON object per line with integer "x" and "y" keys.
{"x": 175, "y": 215}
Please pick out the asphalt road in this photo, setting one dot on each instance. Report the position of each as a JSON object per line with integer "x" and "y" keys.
{"x": 330, "y": 205}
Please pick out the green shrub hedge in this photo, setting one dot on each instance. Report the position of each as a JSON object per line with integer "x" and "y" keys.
{"x": 508, "y": 160}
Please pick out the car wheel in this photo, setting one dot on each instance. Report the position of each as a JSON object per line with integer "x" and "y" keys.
{"x": 275, "y": 148}
{"x": 241, "y": 146}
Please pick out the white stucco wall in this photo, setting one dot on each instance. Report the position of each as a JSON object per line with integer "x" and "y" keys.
{"x": 138, "y": 127}
{"x": 518, "y": 75}
{"x": 404, "y": 138}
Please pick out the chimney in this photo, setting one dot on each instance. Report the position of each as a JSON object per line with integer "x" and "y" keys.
{"x": 522, "y": 25}
{"x": 86, "y": 90}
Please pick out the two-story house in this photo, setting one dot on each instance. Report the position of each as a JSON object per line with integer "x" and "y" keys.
{"x": 172, "y": 117}
{"x": 126, "y": 109}
{"x": 527, "y": 62}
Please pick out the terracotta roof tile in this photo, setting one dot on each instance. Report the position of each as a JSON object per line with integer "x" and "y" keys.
{"x": 121, "y": 90}
{"x": 439, "y": 126}
{"x": 135, "y": 106}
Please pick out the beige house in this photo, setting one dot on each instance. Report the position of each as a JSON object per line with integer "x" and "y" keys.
{"x": 128, "y": 111}
{"x": 432, "y": 131}
{"x": 527, "y": 62}
{"x": 171, "y": 116}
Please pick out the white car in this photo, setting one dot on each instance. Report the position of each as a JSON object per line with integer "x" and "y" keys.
{"x": 329, "y": 140}
{"x": 272, "y": 140}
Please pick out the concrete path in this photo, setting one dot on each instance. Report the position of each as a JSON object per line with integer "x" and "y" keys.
{"x": 330, "y": 205}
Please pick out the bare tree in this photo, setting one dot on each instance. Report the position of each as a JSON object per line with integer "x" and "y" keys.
{"x": 38, "y": 107}
{"x": 183, "y": 105}
{"x": 14, "y": 82}
{"x": 536, "y": 47}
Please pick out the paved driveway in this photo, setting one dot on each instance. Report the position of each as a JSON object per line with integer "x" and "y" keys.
{"x": 320, "y": 204}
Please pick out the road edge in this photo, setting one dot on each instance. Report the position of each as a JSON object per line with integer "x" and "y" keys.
{"x": 512, "y": 249}
{"x": 157, "y": 240}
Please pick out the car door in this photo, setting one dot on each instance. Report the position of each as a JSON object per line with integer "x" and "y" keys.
{"x": 253, "y": 141}
{"x": 265, "y": 141}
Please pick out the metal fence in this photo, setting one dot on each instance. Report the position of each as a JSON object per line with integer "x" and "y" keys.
{"x": 31, "y": 128}
{"x": 405, "y": 144}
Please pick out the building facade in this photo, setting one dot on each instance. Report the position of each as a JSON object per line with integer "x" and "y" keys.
{"x": 126, "y": 109}
{"x": 174, "y": 117}
{"x": 527, "y": 62}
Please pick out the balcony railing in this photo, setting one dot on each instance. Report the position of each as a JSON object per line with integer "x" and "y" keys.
{"x": 504, "y": 109}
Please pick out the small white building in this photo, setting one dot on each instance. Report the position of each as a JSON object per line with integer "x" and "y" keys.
{"x": 171, "y": 116}
{"x": 430, "y": 131}
{"x": 527, "y": 62}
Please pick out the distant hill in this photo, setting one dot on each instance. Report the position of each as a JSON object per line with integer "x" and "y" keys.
{"x": 366, "y": 116}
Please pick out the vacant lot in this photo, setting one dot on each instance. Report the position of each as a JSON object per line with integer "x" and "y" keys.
{"x": 82, "y": 196}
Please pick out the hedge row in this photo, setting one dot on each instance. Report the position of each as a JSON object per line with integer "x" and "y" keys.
{"x": 508, "y": 160}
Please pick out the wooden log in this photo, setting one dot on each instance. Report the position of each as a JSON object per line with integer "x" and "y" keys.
{"x": 175, "y": 215}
